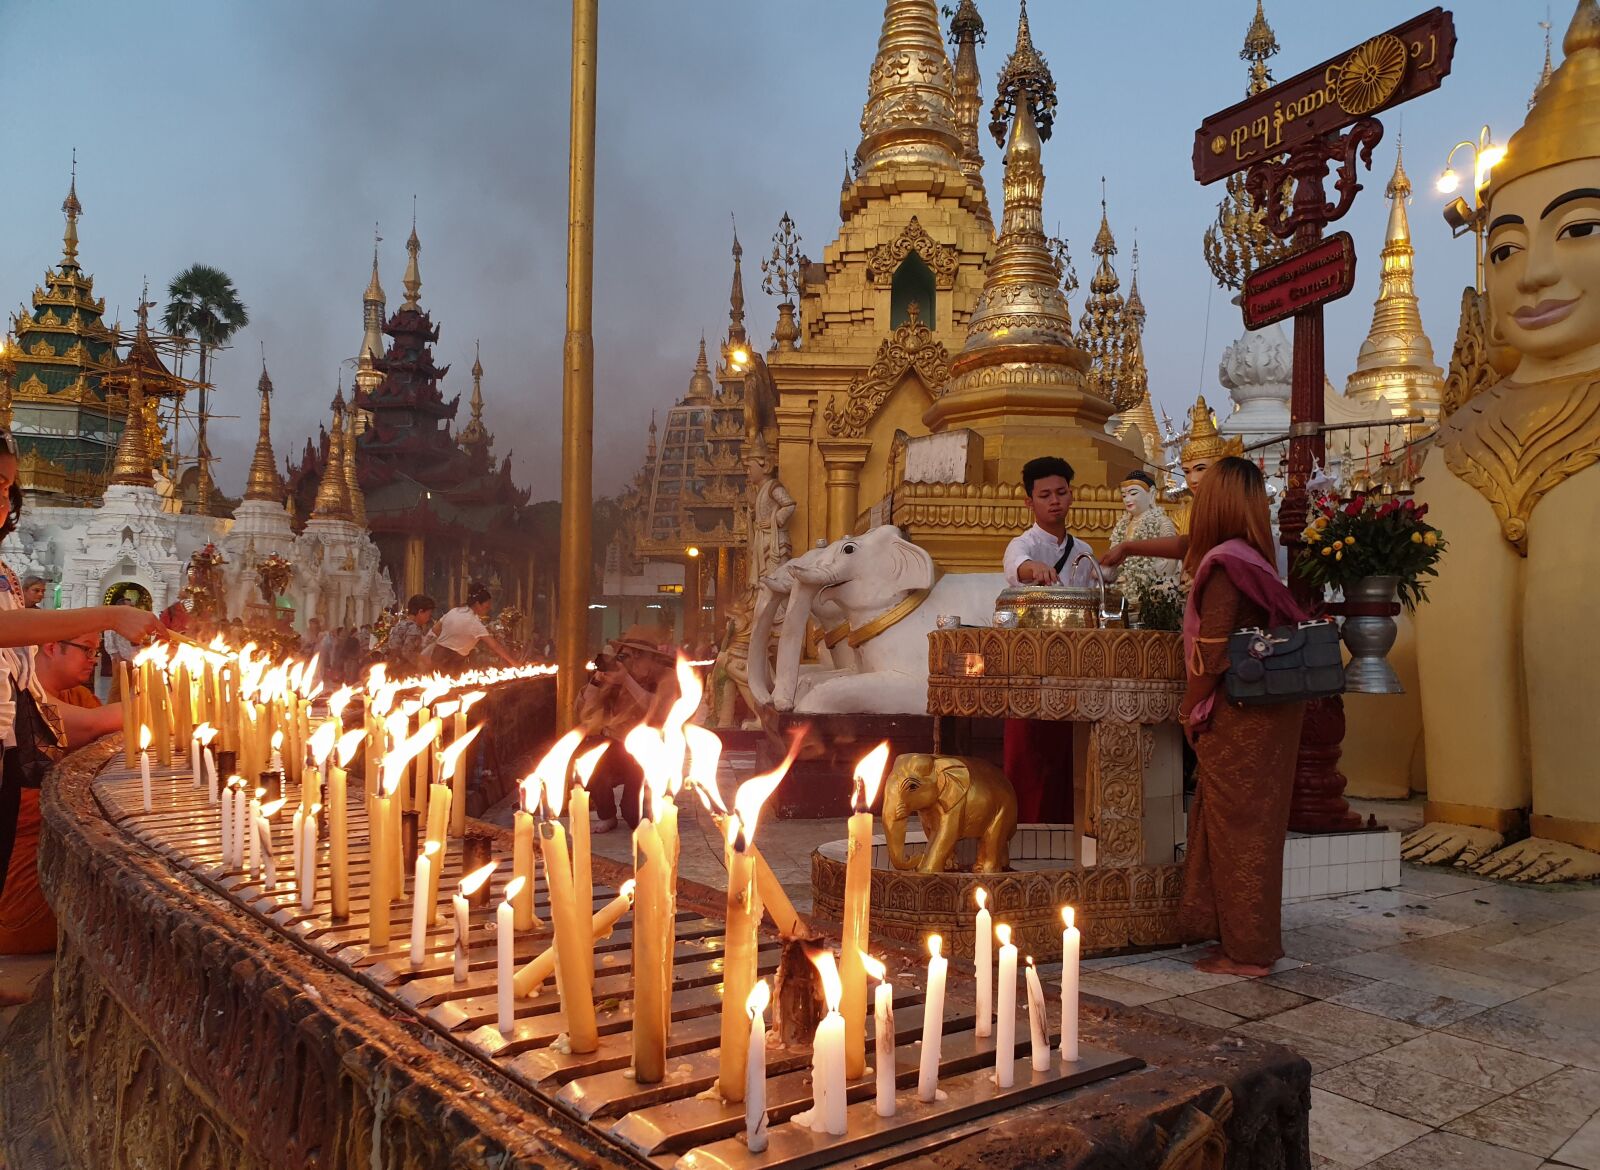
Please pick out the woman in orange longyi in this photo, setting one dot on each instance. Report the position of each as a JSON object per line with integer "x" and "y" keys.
{"x": 1233, "y": 869}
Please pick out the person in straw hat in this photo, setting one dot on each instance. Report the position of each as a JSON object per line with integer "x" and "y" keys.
{"x": 636, "y": 686}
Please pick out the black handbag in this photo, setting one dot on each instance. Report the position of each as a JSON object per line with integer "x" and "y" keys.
{"x": 1286, "y": 664}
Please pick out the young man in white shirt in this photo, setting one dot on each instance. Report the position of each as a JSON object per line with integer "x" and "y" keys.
{"x": 1047, "y": 554}
{"x": 1038, "y": 752}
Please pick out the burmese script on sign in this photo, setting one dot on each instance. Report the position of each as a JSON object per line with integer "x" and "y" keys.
{"x": 1316, "y": 275}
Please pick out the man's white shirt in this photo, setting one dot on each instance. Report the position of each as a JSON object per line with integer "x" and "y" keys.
{"x": 1038, "y": 545}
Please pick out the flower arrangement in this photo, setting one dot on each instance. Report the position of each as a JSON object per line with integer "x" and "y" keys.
{"x": 1161, "y": 606}
{"x": 1346, "y": 541}
{"x": 272, "y": 577}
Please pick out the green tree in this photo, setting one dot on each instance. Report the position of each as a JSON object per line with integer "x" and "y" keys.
{"x": 204, "y": 304}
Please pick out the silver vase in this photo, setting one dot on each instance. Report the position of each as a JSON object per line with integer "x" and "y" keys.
{"x": 1369, "y": 639}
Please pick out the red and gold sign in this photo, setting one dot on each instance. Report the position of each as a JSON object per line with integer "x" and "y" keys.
{"x": 1409, "y": 60}
{"x": 1315, "y": 275}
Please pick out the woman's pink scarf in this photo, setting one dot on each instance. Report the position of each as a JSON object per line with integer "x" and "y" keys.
{"x": 1254, "y": 576}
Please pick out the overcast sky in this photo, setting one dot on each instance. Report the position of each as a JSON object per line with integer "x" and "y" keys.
{"x": 266, "y": 136}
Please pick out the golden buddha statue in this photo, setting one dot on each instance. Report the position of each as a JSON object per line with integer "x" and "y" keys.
{"x": 1505, "y": 642}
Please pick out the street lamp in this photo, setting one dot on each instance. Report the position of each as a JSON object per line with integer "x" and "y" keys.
{"x": 1461, "y": 215}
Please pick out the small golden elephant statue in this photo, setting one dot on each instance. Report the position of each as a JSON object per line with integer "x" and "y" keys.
{"x": 955, "y": 797}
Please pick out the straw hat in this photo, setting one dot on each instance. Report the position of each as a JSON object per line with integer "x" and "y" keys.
{"x": 655, "y": 640}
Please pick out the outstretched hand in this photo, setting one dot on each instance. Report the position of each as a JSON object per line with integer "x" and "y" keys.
{"x": 133, "y": 623}
{"x": 1114, "y": 556}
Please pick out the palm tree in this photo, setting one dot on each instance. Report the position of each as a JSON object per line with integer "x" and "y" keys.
{"x": 204, "y": 304}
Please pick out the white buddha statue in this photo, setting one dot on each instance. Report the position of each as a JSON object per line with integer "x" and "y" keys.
{"x": 1142, "y": 519}
{"x": 1506, "y": 642}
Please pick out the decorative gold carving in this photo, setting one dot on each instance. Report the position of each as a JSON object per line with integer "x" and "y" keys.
{"x": 1515, "y": 443}
{"x": 956, "y": 798}
{"x": 1371, "y": 74}
{"x": 1471, "y": 372}
{"x": 911, "y": 347}
{"x": 885, "y": 259}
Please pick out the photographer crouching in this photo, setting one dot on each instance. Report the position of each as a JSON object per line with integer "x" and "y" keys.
{"x": 633, "y": 683}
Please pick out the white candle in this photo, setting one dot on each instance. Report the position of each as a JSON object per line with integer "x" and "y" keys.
{"x": 1038, "y": 1024}
{"x": 827, "y": 1057}
{"x": 225, "y": 827}
{"x": 254, "y": 834}
{"x": 297, "y": 840}
{"x": 755, "y": 1070}
{"x": 505, "y": 939}
{"x": 1071, "y": 942}
{"x": 883, "y": 1020}
{"x": 308, "y": 861}
{"x": 1005, "y": 1031}
{"x": 144, "y": 764}
{"x": 463, "y": 914}
{"x": 983, "y": 964}
{"x": 419, "y": 904}
{"x": 243, "y": 810}
{"x": 264, "y": 832}
{"x": 932, "y": 1022}
{"x": 194, "y": 760}
{"x": 211, "y": 771}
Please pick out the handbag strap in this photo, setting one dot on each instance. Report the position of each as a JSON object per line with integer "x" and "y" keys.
{"x": 1065, "y": 553}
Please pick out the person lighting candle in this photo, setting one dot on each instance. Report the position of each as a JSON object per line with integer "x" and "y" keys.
{"x": 883, "y": 1026}
{"x": 932, "y": 1022}
{"x": 755, "y": 1086}
{"x": 856, "y": 932}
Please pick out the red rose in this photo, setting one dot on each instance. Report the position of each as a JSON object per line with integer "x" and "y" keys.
{"x": 1353, "y": 508}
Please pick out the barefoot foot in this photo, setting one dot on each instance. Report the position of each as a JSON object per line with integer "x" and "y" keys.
{"x": 1222, "y": 965}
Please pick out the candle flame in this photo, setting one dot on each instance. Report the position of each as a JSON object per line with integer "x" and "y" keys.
{"x": 705, "y": 753}
{"x": 271, "y": 807}
{"x": 690, "y": 691}
{"x": 514, "y": 887}
{"x": 753, "y": 793}
{"x": 875, "y": 967}
{"x": 1028, "y": 959}
{"x": 448, "y": 757}
{"x": 205, "y": 733}
{"x": 644, "y": 744}
{"x": 471, "y": 699}
{"x": 935, "y": 945}
{"x": 339, "y": 700}
{"x": 429, "y": 848}
{"x": 316, "y": 810}
{"x": 627, "y": 888}
{"x": 434, "y": 690}
{"x": 144, "y": 738}
{"x": 410, "y": 707}
{"x": 755, "y": 1004}
{"x": 400, "y": 756}
{"x": 1067, "y": 916}
{"x": 982, "y": 897}
{"x": 382, "y": 701}
{"x": 348, "y": 742}
{"x": 322, "y": 741}
{"x": 832, "y": 986}
{"x": 1003, "y": 933}
{"x": 551, "y": 771}
{"x": 473, "y": 882}
{"x": 277, "y": 741}
{"x": 585, "y": 764}
{"x": 869, "y": 775}
{"x": 447, "y": 708}
{"x": 377, "y": 676}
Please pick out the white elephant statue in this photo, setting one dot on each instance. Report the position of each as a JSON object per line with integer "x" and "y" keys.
{"x": 774, "y": 602}
{"x": 889, "y": 592}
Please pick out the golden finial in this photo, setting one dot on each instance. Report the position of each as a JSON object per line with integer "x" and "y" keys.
{"x": 1022, "y": 302}
{"x": 1260, "y": 42}
{"x": 1203, "y": 441}
{"x": 132, "y": 465}
{"x": 475, "y": 434}
{"x": 263, "y": 482}
{"x": 333, "y": 495}
{"x": 73, "y": 209}
{"x": 352, "y": 481}
{"x": 1564, "y": 122}
{"x": 413, "y": 277}
{"x": 909, "y": 117}
{"x": 374, "y": 289}
{"x": 966, "y": 34}
{"x": 1101, "y": 330}
{"x": 1544, "y": 74}
{"x": 736, "y": 333}
{"x": 700, "y": 380}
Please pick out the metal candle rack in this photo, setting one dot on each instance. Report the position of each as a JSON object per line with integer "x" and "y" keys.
{"x": 680, "y": 1122}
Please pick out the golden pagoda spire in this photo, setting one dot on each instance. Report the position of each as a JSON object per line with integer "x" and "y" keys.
{"x": 1102, "y": 328}
{"x": 909, "y": 119}
{"x": 333, "y": 495}
{"x": 373, "y": 304}
{"x": 73, "y": 209}
{"x": 133, "y": 463}
{"x": 263, "y": 482}
{"x": 1565, "y": 122}
{"x": 967, "y": 33}
{"x": 1544, "y": 74}
{"x": 475, "y": 434}
{"x": 1238, "y": 242}
{"x": 700, "y": 380}
{"x": 1022, "y": 302}
{"x": 1203, "y": 440}
{"x": 736, "y": 333}
{"x": 352, "y": 482}
{"x": 1132, "y": 396}
{"x": 413, "y": 277}
{"x": 1396, "y": 363}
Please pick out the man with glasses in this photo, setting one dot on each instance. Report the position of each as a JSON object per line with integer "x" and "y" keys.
{"x": 65, "y": 670}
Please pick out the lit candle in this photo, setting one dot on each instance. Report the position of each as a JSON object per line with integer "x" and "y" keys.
{"x": 857, "y": 909}
{"x": 1070, "y": 947}
{"x": 384, "y": 838}
{"x": 543, "y": 965}
{"x": 755, "y": 1063}
{"x": 983, "y": 964}
{"x": 522, "y": 858}
{"x": 505, "y": 953}
{"x": 419, "y": 905}
{"x": 578, "y": 821}
{"x": 932, "y": 1022}
{"x": 743, "y": 925}
{"x": 296, "y": 841}
{"x": 308, "y": 860}
{"x": 254, "y": 833}
{"x": 462, "y": 918}
{"x": 1038, "y": 1025}
{"x": 438, "y": 826}
{"x": 144, "y": 764}
{"x": 264, "y": 829}
{"x": 453, "y": 764}
{"x": 828, "y": 1100}
{"x": 571, "y": 921}
{"x": 650, "y": 935}
{"x": 195, "y": 766}
{"x": 1005, "y": 1031}
{"x": 243, "y": 810}
{"x": 339, "y": 824}
{"x": 204, "y": 735}
{"x": 225, "y": 833}
{"x": 883, "y": 1021}
{"x": 130, "y": 711}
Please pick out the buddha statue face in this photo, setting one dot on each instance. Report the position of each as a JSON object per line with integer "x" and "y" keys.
{"x": 1136, "y": 498}
{"x": 1194, "y": 471}
{"x": 1542, "y": 270}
